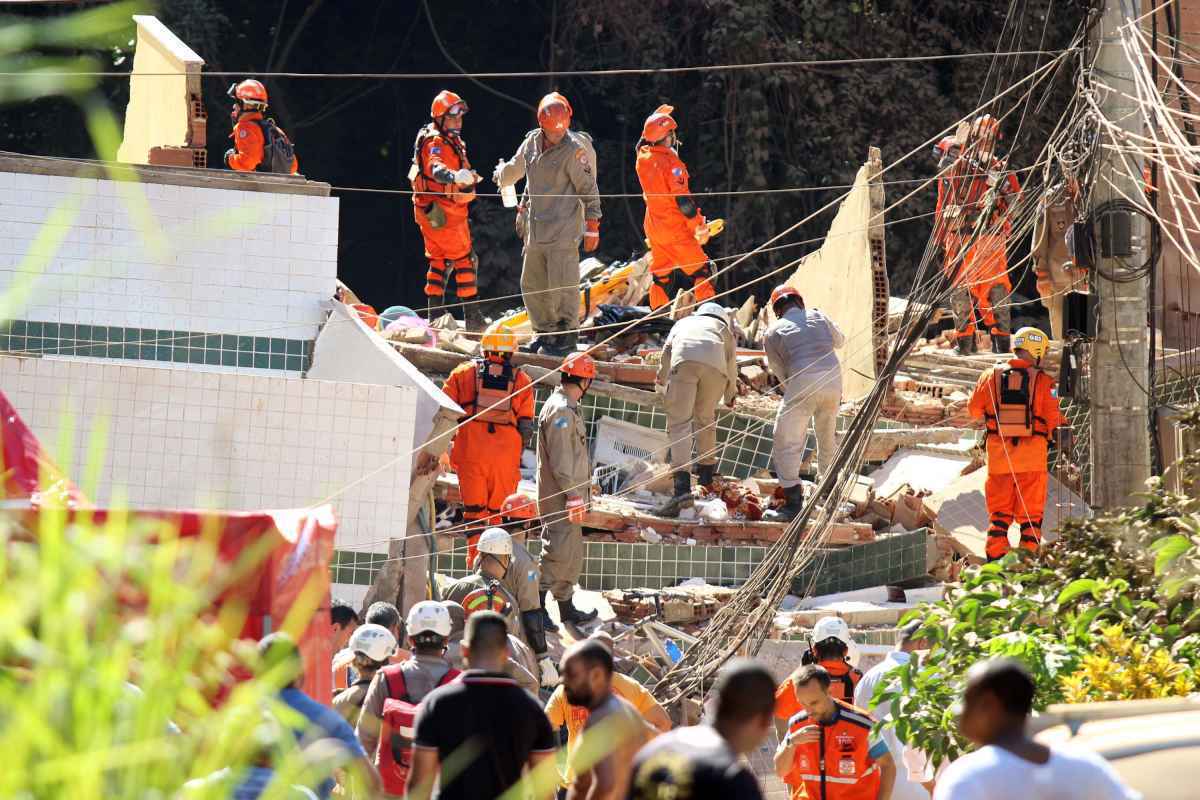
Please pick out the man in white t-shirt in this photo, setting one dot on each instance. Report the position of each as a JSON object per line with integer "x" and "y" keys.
{"x": 1010, "y": 764}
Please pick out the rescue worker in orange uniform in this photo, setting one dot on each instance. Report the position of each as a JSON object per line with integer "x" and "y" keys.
{"x": 1020, "y": 413}
{"x": 486, "y": 452}
{"x": 252, "y": 133}
{"x": 674, "y": 225}
{"x": 829, "y": 752}
{"x": 443, "y": 187}
{"x": 976, "y": 199}
{"x": 830, "y": 648}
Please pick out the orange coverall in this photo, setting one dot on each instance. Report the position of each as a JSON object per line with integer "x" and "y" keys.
{"x": 1017, "y": 474}
{"x": 983, "y": 271}
{"x": 440, "y": 209}
{"x": 676, "y": 260}
{"x": 486, "y": 455}
{"x": 247, "y": 138}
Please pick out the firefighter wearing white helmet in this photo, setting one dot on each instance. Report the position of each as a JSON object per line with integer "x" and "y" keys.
{"x": 483, "y": 589}
{"x": 369, "y": 649}
{"x": 428, "y": 617}
{"x": 698, "y": 369}
{"x": 832, "y": 647}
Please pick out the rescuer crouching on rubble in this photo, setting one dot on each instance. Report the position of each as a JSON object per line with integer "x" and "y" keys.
{"x": 523, "y": 581}
{"x": 484, "y": 589}
{"x": 1020, "y": 413}
{"x": 498, "y": 426}
{"x": 259, "y": 145}
{"x": 699, "y": 366}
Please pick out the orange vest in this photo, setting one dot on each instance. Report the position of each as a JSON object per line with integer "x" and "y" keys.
{"x": 839, "y": 766}
{"x": 1011, "y": 404}
{"x": 433, "y": 148}
{"x": 664, "y": 177}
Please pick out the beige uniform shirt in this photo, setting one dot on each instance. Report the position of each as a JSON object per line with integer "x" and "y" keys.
{"x": 521, "y": 580}
{"x": 563, "y": 464}
{"x": 706, "y": 340}
{"x": 560, "y": 187}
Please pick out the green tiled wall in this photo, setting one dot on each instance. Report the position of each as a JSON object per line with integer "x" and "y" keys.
{"x": 150, "y": 344}
{"x": 352, "y": 567}
{"x": 892, "y": 559}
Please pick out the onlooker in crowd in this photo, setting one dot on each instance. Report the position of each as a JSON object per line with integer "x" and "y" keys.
{"x": 906, "y": 644}
{"x": 372, "y": 646}
{"x": 485, "y": 722}
{"x": 343, "y": 621}
{"x": 704, "y": 762}
{"x": 829, "y": 750}
{"x": 1009, "y": 763}
{"x": 280, "y": 658}
{"x": 267, "y": 743}
{"x": 520, "y": 664}
{"x": 614, "y": 731}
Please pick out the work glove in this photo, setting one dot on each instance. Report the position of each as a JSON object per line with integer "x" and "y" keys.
{"x": 464, "y": 177}
{"x": 591, "y": 238}
{"x": 549, "y": 672}
{"x": 525, "y": 428}
{"x": 496, "y": 173}
{"x": 230, "y": 153}
{"x": 575, "y": 508}
{"x": 701, "y": 232}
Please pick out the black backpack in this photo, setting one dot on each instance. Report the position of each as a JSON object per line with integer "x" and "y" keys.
{"x": 278, "y": 150}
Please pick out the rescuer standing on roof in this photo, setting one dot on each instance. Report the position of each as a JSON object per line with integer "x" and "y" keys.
{"x": 675, "y": 228}
{"x": 1020, "y": 413}
{"x": 699, "y": 367}
{"x": 976, "y": 199}
{"x": 259, "y": 145}
{"x": 443, "y": 186}
{"x": 561, "y": 205}
{"x": 564, "y": 481}
{"x": 523, "y": 581}
{"x": 486, "y": 453}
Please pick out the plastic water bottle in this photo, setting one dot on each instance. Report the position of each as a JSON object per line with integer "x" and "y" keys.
{"x": 673, "y": 650}
{"x": 508, "y": 196}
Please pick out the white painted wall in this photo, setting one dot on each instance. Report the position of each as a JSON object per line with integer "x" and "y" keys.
{"x": 155, "y": 255}
{"x": 188, "y": 437}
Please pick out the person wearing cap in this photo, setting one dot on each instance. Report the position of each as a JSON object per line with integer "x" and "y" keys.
{"x": 698, "y": 368}
{"x": 560, "y": 208}
{"x": 428, "y": 627}
{"x": 370, "y": 647}
{"x": 831, "y": 647}
{"x": 483, "y": 588}
{"x": 800, "y": 346}
{"x": 523, "y": 581}
{"x": 1020, "y": 413}
{"x": 564, "y": 482}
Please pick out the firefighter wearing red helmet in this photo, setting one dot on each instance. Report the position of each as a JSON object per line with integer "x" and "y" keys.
{"x": 443, "y": 187}
{"x": 564, "y": 477}
{"x": 560, "y": 209}
{"x": 977, "y": 197}
{"x": 259, "y": 145}
{"x": 675, "y": 228}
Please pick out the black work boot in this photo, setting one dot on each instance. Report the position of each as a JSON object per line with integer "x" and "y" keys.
{"x": 570, "y": 615}
{"x": 473, "y": 317}
{"x": 966, "y": 344}
{"x": 569, "y": 342}
{"x": 683, "y": 495}
{"x": 793, "y": 505}
{"x": 548, "y": 623}
{"x": 1001, "y": 344}
{"x": 705, "y": 474}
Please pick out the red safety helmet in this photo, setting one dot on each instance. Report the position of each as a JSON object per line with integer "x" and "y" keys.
{"x": 554, "y": 112}
{"x": 985, "y": 127}
{"x": 249, "y": 91}
{"x": 783, "y": 291}
{"x": 580, "y": 365}
{"x": 518, "y": 507}
{"x": 447, "y": 102}
{"x": 659, "y": 124}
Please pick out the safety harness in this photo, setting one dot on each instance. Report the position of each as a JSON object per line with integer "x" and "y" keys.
{"x": 487, "y": 598}
{"x": 1013, "y": 389}
{"x": 495, "y": 382}
{"x": 424, "y": 182}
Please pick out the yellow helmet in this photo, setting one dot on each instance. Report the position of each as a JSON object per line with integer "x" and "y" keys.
{"x": 1032, "y": 340}
{"x": 499, "y": 341}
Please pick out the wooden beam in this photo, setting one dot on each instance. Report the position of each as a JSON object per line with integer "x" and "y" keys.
{"x": 444, "y": 361}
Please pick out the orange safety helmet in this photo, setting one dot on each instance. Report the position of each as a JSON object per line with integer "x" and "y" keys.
{"x": 554, "y": 112}
{"x": 249, "y": 91}
{"x": 367, "y": 314}
{"x": 518, "y": 506}
{"x": 659, "y": 124}
{"x": 783, "y": 291}
{"x": 447, "y": 102}
{"x": 985, "y": 127}
{"x": 580, "y": 365}
{"x": 498, "y": 341}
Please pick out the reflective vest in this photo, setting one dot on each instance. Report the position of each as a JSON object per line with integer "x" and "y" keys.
{"x": 419, "y": 175}
{"x": 495, "y": 382}
{"x": 486, "y": 598}
{"x": 1014, "y": 418}
{"x": 967, "y": 185}
{"x": 839, "y": 765}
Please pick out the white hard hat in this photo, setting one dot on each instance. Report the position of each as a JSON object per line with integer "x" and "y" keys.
{"x": 428, "y": 616}
{"x": 714, "y": 310}
{"x": 495, "y": 541}
{"x": 373, "y": 641}
{"x": 832, "y": 628}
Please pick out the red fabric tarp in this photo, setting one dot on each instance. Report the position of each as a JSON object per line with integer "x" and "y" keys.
{"x": 25, "y": 464}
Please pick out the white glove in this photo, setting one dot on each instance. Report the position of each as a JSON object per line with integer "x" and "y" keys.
{"x": 464, "y": 177}
{"x": 549, "y": 672}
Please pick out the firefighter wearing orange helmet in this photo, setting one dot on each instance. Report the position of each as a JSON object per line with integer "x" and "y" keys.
{"x": 1020, "y": 413}
{"x": 675, "y": 228}
{"x": 561, "y": 208}
{"x": 564, "y": 480}
{"x": 259, "y": 145}
{"x": 443, "y": 187}
{"x": 976, "y": 199}
{"x": 486, "y": 453}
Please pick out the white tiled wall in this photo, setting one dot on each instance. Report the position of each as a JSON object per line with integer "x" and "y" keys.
{"x": 152, "y": 255}
{"x": 186, "y": 437}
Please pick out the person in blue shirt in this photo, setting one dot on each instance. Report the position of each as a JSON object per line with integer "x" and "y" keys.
{"x": 280, "y": 659}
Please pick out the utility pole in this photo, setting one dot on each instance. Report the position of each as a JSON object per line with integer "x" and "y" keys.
{"x": 1120, "y": 357}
